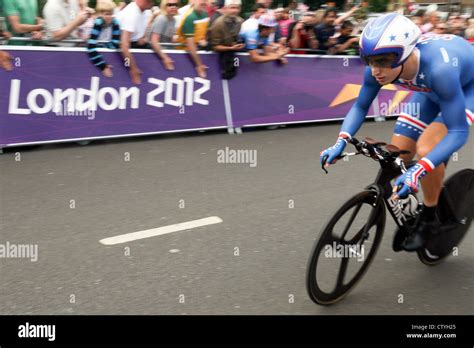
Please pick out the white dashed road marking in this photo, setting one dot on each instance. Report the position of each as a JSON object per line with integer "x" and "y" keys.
{"x": 128, "y": 237}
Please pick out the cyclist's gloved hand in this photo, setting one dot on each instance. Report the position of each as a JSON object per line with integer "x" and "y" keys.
{"x": 410, "y": 180}
{"x": 333, "y": 151}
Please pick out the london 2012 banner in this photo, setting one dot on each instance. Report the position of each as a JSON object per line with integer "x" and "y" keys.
{"x": 55, "y": 94}
{"x": 60, "y": 95}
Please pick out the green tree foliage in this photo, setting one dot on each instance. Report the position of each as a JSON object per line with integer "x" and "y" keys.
{"x": 378, "y": 5}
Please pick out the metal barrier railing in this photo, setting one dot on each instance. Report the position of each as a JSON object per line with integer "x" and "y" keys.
{"x": 78, "y": 42}
{"x": 82, "y": 43}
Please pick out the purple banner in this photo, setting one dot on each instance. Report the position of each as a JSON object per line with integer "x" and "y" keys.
{"x": 307, "y": 89}
{"x": 58, "y": 95}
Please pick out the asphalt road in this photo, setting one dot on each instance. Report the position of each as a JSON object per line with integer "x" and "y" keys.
{"x": 65, "y": 198}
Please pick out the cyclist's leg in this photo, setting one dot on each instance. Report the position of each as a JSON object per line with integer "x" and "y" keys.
{"x": 412, "y": 122}
{"x": 436, "y": 131}
{"x": 433, "y": 181}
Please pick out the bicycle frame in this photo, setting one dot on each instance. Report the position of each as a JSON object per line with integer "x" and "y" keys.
{"x": 391, "y": 167}
{"x": 388, "y": 172}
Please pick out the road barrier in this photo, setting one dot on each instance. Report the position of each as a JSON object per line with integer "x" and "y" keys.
{"x": 55, "y": 94}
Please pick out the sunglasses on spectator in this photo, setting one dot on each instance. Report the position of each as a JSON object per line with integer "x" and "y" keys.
{"x": 172, "y": 4}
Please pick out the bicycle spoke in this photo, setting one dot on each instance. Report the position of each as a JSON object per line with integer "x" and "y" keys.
{"x": 357, "y": 236}
{"x": 367, "y": 226}
{"x": 342, "y": 272}
{"x": 351, "y": 220}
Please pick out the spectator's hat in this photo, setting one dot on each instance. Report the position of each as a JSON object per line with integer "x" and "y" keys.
{"x": 233, "y": 2}
{"x": 267, "y": 20}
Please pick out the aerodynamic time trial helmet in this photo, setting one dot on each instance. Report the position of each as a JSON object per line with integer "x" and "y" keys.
{"x": 391, "y": 35}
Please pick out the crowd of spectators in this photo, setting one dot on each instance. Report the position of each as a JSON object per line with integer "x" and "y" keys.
{"x": 267, "y": 34}
{"x": 433, "y": 22}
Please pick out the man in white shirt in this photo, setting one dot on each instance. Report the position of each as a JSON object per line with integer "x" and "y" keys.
{"x": 252, "y": 22}
{"x": 133, "y": 20}
{"x": 62, "y": 18}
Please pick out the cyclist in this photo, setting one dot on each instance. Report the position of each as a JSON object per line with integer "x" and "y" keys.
{"x": 440, "y": 69}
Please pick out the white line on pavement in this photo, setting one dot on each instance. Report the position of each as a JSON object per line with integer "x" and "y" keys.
{"x": 128, "y": 237}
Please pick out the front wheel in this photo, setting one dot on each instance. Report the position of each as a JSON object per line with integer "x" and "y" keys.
{"x": 357, "y": 226}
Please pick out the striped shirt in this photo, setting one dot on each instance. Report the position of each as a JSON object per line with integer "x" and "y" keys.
{"x": 92, "y": 44}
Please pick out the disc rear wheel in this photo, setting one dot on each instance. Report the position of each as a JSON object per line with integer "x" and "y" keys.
{"x": 459, "y": 190}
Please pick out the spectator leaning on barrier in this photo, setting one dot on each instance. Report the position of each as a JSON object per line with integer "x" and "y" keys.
{"x": 164, "y": 27}
{"x": 62, "y": 19}
{"x": 225, "y": 38}
{"x": 163, "y": 30}
{"x": 301, "y": 34}
{"x": 22, "y": 19}
{"x": 4, "y": 34}
{"x": 106, "y": 28}
{"x": 326, "y": 29}
{"x": 6, "y": 61}
{"x": 252, "y": 22}
{"x": 5, "y": 58}
{"x": 133, "y": 20}
{"x": 182, "y": 11}
{"x": 345, "y": 40}
{"x": 257, "y": 39}
{"x": 192, "y": 33}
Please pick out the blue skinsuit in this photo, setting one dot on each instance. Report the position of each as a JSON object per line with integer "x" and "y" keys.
{"x": 444, "y": 86}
